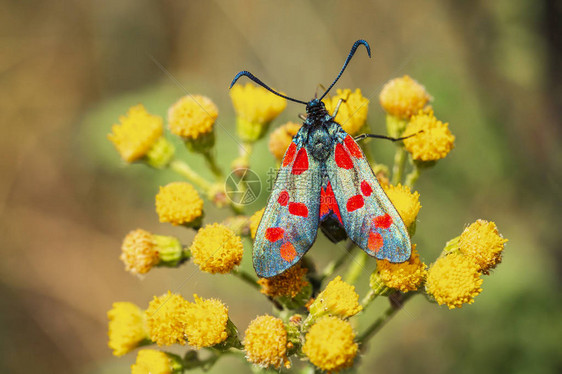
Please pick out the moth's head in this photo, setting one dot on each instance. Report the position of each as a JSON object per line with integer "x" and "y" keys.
{"x": 315, "y": 107}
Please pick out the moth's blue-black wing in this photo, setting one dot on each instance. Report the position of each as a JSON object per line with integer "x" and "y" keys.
{"x": 367, "y": 214}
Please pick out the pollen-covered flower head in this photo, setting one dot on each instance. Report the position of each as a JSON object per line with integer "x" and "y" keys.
{"x": 405, "y": 276}
{"x": 432, "y": 140}
{"x": 329, "y": 344}
{"x": 352, "y": 113}
{"x": 216, "y": 249}
{"x": 403, "y": 97}
{"x": 281, "y": 138}
{"x": 265, "y": 342}
{"x": 139, "y": 252}
{"x": 338, "y": 298}
{"x": 482, "y": 242}
{"x": 255, "y": 108}
{"x": 406, "y": 203}
{"x": 453, "y": 280}
{"x": 151, "y": 361}
{"x": 192, "y": 116}
{"x": 179, "y": 203}
{"x": 167, "y": 318}
{"x": 289, "y": 283}
{"x": 127, "y": 327}
{"x": 206, "y": 322}
{"x": 136, "y": 133}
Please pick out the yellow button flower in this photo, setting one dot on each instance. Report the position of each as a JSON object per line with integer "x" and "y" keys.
{"x": 150, "y": 361}
{"x": 453, "y": 280}
{"x": 167, "y": 318}
{"x": 352, "y": 113}
{"x": 482, "y": 242}
{"x": 192, "y": 116}
{"x": 329, "y": 344}
{"x": 406, "y": 203}
{"x": 136, "y": 133}
{"x": 255, "y": 222}
{"x": 255, "y": 108}
{"x": 405, "y": 276}
{"x": 180, "y": 204}
{"x": 281, "y": 138}
{"x": 288, "y": 283}
{"x": 127, "y": 327}
{"x": 265, "y": 342}
{"x": 139, "y": 252}
{"x": 338, "y": 298}
{"x": 432, "y": 140}
{"x": 206, "y": 322}
{"x": 403, "y": 97}
{"x": 216, "y": 249}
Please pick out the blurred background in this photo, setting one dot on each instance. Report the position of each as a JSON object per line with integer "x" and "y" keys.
{"x": 68, "y": 69}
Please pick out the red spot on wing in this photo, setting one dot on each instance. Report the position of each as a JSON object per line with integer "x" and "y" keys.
{"x": 383, "y": 222}
{"x": 283, "y": 198}
{"x": 301, "y": 162}
{"x": 375, "y": 242}
{"x": 353, "y": 147}
{"x": 355, "y": 202}
{"x": 290, "y": 154}
{"x": 366, "y": 188}
{"x": 324, "y": 203}
{"x": 273, "y": 234}
{"x": 342, "y": 158}
{"x": 298, "y": 209}
{"x": 328, "y": 202}
{"x": 287, "y": 252}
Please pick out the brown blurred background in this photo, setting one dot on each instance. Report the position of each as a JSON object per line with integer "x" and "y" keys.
{"x": 69, "y": 68}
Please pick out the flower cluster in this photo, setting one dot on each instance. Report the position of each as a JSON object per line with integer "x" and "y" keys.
{"x": 314, "y": 318}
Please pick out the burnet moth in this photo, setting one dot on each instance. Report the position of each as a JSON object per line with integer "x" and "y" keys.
{"x": 325, "y": 180}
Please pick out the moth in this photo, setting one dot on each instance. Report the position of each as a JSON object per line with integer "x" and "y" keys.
{"x": 325, "y": 180}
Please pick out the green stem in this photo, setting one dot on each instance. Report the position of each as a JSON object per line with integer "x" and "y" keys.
{"x": 356, "y": 267}
{"x": 335, "y": 264}
{"x": 387, "y": 316}
{"x": 244, "y": 276}
{"x": 399, "y": 162}
{"x": 183, "y": 169}
{"x": 368, "y": 299}
{"x": 413, "y": 176}
{"x": 212, "y": 162}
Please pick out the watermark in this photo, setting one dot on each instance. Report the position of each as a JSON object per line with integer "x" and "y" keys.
{"x": 242, "y": 186}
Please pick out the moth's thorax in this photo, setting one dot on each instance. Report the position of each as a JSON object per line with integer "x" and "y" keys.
{"x": 315, "y": 112}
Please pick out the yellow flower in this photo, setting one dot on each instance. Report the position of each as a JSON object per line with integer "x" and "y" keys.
{"x": 192, "y": 116}
{"x": 255, "y": 108}
{"x": 167, "y": 318}
{"x": 338, "y": 298}
{"x": 265, "y": 342}
{"x": 139, "y": 252}
{"x": 482, "y": 242}
{"x": 453, "y": 280}
{"x": 406, "y": 203}
{"x": 288, "y": 283}
{"x": 179, "y": 203}
{"x": 255, "y": 222}
{"x": 136, "y": 133}
{"x": 403, "y": 97}
{"x": 329, "y": 344}
{"x": 432, "y": 140}
{"x": 127, "y": 327}
{"x": 206, "y": 322}
{"x": 352, "y": 113}
{"x": 405, "y": 276}
{"x": 150, "y": 361}
{"x": 281, "y": 138}
{"x": 217, "y": 249}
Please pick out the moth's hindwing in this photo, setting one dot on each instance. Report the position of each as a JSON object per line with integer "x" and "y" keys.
{"x": 290, "y": 222}
{"x": 368, "y": 216}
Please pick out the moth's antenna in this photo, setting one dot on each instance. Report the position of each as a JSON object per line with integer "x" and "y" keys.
{"x": 351, "y": 53}
{"x": 252, "y": 77}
